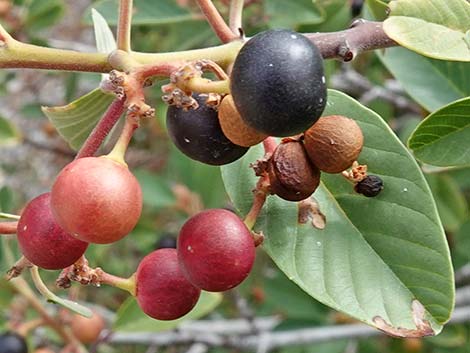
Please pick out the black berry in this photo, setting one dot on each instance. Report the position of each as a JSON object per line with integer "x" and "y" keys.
{"x": 278, "y": 83}
{"x": 370, "y": 186}
{"x": 197, "y": 133}
{"x": 12, "y": 343}
{"x": 166, "y": 241}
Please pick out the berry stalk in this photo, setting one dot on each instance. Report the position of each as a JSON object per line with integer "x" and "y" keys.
{"x": 103, "y": 128}
{"x": 120, "y": 148}
{"x": 216, "y": 21}
{"x": 7, "y": 228}
{"x": 124, "y": 25}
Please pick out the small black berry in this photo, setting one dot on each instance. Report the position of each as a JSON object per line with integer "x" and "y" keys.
{"x": 370, "y": 186}
{"x": 12, "y": 343}
{"x": 166, "y": 241}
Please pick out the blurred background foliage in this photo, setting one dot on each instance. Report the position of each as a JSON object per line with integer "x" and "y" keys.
{"x": 401, "y": 86}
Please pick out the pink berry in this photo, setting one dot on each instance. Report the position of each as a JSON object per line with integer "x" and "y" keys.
{"x": 96, "y": 199}
{"x": 216, "y": 250}
{"x": 163, "y": 292}
{"x": 42, "y": 241}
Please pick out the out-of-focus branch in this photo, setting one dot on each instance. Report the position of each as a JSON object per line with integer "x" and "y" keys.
{"x": 462, "y": 276}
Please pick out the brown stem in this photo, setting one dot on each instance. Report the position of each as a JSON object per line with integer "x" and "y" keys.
{"x": 260, "y": 194}
{"x": 124, "y": 25}
{"x": 8, "y": 228}
{"x": 235, "y": 16}
{"x": 216, "y": 21}
{"x": 164, "y": 69}
{"x": 269, "y": 144}
{"x": 25, "y": 328}
{"x": 18, "y": 268}
{"x": 99, "y": 133}
{"x": 346, "y": 45}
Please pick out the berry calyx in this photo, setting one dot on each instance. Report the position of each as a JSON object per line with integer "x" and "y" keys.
{"x": 333, "y": 143}
{"x": 278, "y": 84}
{"x": 162, "y": 291}
{"x": 12, "y": 343}
{"x": 216, "y": 250}
{"x": 291, "y": 174}
{"x": 42, "y": 241}
{"x": 235, "y": 128}
{"x": 87, "y": 330}
{"x": 96, "y": 199}
{"x": 197, "y": 133}
{"x": 370, "y": 186}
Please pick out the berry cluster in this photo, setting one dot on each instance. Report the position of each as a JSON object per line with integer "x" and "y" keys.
{"x": 215, "y": 252}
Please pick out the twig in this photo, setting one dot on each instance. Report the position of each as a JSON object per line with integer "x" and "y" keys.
{"x": 235, "y": 16}
{"x": 216, "y": 21}
{"x": 274, "y": 339}
{"x": 124, "y": 25}
{"x": 346, "y": 45}
{"x": 103, "y": 128}
{"x": 8, "y": 228}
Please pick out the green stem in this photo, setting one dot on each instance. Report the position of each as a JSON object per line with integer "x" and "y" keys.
{"x": 235, "y": 15}
{"x": 124, "y": 25}
{"x": 127, "y": 284}
{"x": 9, "y": 216}
{"x": 118, "y": 152}
{"x": 202, "y": 85}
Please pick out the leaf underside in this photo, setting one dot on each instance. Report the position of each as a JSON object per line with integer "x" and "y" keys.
{"x": 442, "y": 138}
{"x": 376, "y": 256}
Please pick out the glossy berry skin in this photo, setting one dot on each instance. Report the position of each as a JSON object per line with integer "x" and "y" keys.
{"x": 370, "y": 186}
{"x": 12, "y": 343}
{"x": 87, "y": 330}
{"x": 42, "y": 241}
{"x": 96, "y": 199}
{"x": 278, "y": 84}
{"x": 163, "y": 292}
{"x": 216, "y": 250}
{"x": 197, "y": 133}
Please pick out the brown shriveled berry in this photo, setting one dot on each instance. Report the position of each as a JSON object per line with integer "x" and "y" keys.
{"x": 291, "y": 174}
{"x": 235, "y": 128}
{"x": 333, "y": 143}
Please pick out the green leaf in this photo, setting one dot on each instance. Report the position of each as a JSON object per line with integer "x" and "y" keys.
{"x": 156, "y": 190}
{"x": 43, "y": 14}
{"x": 146, "y": 12}
{"x": 378, "y": 9}
{"x": 105, "y": 42}
{"x": 434, "y": 28}
{"x": 71, "y": 305}
{"x": 130, "y": 317}
{"x": 432, "y": 83}
{"x": 451, "y": 203}
{"x": 375, "y": 255}
{"x": 291, "y": 14}
{"x": 9, "y": 134}
{"x": 76, "y": 120}
{"x": 442, "y": 138}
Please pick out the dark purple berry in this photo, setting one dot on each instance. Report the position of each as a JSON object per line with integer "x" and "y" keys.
{"x": 370, "y": 186}
{"x": 278, "y": 83}
{"x": 197, "y": 133}
{"x": 12, "y": 343}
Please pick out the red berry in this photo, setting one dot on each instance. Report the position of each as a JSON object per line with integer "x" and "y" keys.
{"x": 216, "y": 250}
{"x": 163, "y": 292}
{"x": 96, "y": 199}
{"x": 42, "y": 241}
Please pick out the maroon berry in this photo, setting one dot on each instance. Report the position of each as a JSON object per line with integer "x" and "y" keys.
{"x": 216, "y": 250}
{"x": 42, "y": 241}
{"x": 96, "y": 199}
{"x": 163, "y": 292}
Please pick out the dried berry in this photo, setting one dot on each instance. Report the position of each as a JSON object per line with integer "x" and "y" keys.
{"x": 291, "y": 174}
{"x": 370, "y": 186}
{"x": 234, "y": 127}
{"x": 333, "y": 143}
{"x": 278, "y": 83}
